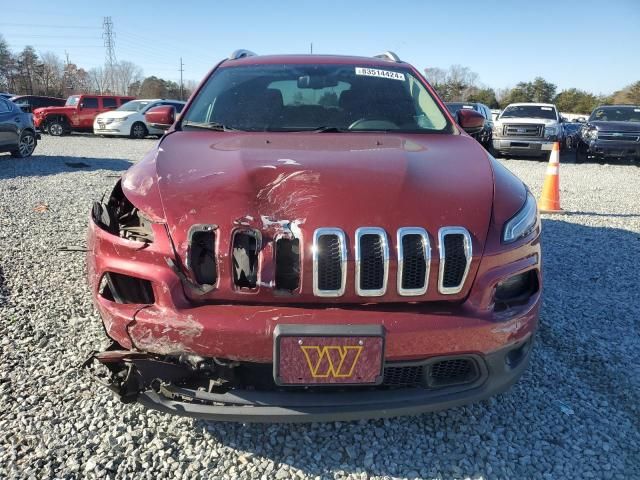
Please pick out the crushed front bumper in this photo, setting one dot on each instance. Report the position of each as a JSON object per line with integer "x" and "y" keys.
{"x": 165, "y": 386}
{"x": 612, "y": 148}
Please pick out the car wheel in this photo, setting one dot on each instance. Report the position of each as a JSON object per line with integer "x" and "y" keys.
{"x": 57, "y": 128}
{"x": 26, "y": 145}
{"x": 138, "y": 130}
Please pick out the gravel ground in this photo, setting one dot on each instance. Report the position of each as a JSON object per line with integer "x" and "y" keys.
{"x": 574, "y": 414}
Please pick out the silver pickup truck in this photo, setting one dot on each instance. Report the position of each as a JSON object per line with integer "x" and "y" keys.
{"x": 527, "y": 129}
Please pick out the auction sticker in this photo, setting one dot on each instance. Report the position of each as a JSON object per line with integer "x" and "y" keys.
{"x": 374, "y": 72}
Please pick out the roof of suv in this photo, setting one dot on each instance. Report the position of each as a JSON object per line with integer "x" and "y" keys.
{"x": 537, "y": 104}
{"x": 312, "y": 59}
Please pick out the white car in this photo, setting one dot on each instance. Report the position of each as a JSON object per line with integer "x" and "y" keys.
{"x": 527, "y": 129}
{"x": 128, "y": 120}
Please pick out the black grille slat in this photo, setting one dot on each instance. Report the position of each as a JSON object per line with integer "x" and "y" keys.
{"x": 371, "y": 262}
{"x": 329, "y": 263}
{"x": 518, "y": 130}
{"x": 202, "y": 257}
{"x": 246, "y": 246}
{"x": 287, "y": 264}
{"x": 455, "y": 260}
{"x": 414, "y": 262}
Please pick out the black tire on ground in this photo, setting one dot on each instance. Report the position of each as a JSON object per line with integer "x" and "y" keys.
{"x": 26, "y": 145}
{"x": 57, "y": 127}
{"x": 581, "y": 153}
{"x": 138, "y": 130}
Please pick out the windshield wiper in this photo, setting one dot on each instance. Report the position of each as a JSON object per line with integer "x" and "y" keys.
{"x": 327, "y": 129}
{"x": 216, "y": 127}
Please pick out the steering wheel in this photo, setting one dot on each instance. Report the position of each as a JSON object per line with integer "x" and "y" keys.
{"x": 372, "y": 124}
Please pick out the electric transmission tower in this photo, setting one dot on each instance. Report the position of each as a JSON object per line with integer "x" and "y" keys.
{"x": 110, "y": 52}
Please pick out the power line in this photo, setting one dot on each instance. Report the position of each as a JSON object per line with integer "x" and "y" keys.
{"x": 181, "y": 84}
{"x": 31, "y": 25}
{"x": 110, "y": 49}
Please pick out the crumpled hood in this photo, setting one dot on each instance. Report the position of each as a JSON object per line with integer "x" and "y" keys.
{"x": 321, "y": 180}
{"x": 616, "y": 126}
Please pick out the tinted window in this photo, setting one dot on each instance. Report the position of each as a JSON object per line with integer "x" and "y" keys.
{"x": 109, "y": 102}
{"x": 529, "y": 111}
{"x": 89, "y": 102}
{"x": 4, "y": 106}
{"x": 616, "y": 114}
{"x": 179, "y": 107}
{"x": 290, "y": 97}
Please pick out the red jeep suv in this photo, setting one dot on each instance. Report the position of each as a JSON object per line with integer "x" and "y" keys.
{"x": 315, "y": 238}
{"x": 77, "y": 114}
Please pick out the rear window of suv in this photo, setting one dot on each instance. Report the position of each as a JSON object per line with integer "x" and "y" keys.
{"x": 299, "y": 97}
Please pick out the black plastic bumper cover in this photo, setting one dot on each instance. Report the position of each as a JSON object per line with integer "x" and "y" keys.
{"x": 501, "y": 369}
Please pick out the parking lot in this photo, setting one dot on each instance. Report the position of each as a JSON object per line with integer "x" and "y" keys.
{"x": 574, "y": 414}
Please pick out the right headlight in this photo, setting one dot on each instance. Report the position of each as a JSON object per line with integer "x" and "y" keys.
{"x": 522, "y": 222}
{"x": 590, "y": 133}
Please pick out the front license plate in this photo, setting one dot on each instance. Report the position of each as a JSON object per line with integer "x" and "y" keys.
{"x": 322, "y": 355}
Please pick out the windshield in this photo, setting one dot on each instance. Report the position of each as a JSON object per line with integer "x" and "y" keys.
{"x": 134, "y": 106}
{"x": 293, "y": 97}
{"x": 454, "y": 107}
{"x": 72, "y": 101}
{"x": 616, "y": 114}
{"x": 529, "y": 111}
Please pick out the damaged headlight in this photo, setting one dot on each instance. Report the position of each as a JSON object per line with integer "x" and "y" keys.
{"x": 522, "y": 222}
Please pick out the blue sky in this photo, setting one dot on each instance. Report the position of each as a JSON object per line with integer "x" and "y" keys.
{"x": 593, "y": 45}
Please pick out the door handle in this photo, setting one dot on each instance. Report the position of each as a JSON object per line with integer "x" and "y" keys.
{"x": 17, "y": 119}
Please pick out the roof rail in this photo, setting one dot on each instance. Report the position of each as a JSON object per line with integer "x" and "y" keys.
{"x": 389, "y": 56}
{"x": 241, "y": 54}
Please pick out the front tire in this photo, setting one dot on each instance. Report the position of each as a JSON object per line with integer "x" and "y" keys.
{"x": 26, "y": 145}
{"x": 138, "y": 131}
{"x": 581, "y": 153}
{"x": 57, "y": 128}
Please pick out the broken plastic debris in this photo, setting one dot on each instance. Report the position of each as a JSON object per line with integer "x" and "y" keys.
{"x": 41, "y": 208}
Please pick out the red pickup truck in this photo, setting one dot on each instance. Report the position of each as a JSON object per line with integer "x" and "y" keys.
{"x": 77, "y": 114}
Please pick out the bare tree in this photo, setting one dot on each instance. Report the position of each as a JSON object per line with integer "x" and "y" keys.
{"x": 50, "y": 74}
{"x": 99, "y": 79}
{"x": 125, "y": 74}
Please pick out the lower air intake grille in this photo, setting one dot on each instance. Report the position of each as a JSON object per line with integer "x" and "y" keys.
{"x": 330, "y": 259}
{"x": 451, "y": 372}
{"x": 404, "y": 376}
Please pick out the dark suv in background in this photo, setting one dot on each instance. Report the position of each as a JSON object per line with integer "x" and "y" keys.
{"x": 28, "y": 103}
{"x": 611, "y": 131}
{"x": 486, "y": 134}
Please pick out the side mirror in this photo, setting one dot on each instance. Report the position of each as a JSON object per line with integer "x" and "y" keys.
{"x": 470, "y": 121}
{"x": 161, "y": 117}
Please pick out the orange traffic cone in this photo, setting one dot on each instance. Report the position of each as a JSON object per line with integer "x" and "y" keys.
{"x": 550, "y": 199}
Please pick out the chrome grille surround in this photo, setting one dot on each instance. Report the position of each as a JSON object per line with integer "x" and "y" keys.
{"x": 379, "y": 232}
{"x": 320, "y": 232}
{"x": 442, "y": 233}
{"x": 402, "y": 232}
